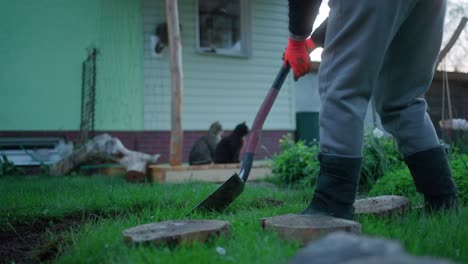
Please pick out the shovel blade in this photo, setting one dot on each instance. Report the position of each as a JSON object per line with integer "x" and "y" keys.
{"x": 223, "y": 196}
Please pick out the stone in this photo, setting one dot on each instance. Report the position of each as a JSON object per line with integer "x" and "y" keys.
{"x": 174, "y": 232}
{"x": 382, "y": 205}
{"x": 306, "y": 228}
{"x": 347, "y": 248}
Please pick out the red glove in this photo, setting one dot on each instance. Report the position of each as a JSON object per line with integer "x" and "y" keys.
{"x": 310, "y": 45}
{"x": 297, "y": 56}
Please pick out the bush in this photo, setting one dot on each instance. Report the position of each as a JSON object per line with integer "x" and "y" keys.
{"x": 383, "y": 170}
{"x": 459, "y": 165}
{"x": 380, "y": 155}
{"x": 297, "y": 163}
{"x": 399, "y": 181}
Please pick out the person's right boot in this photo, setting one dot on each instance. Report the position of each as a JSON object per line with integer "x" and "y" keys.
{"x": 336, "y": 187}
{"x": 432, "y": 177}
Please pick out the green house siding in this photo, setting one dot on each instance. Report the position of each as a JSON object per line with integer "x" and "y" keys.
{"x": 42, "y": 46}
{"x": 120, "y": 77}
{"x": 216, "y": 87}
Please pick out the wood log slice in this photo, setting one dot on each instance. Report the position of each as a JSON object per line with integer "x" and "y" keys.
{"x": 382, "y": 205}
{"x": 307, "y": 228}
{"x": 174, "y": 232}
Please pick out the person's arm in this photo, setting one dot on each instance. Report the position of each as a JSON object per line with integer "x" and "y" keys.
{"x": 302, "y": 14}
{"x": 318, "y": 36}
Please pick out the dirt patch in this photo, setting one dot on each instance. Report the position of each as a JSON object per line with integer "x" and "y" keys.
{"x": 42, "y": 239}
{"x": 29, "y": 243}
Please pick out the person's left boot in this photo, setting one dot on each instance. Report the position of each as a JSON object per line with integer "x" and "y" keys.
{"x": 336, "y": 187}
{"x": 432, "y": 177}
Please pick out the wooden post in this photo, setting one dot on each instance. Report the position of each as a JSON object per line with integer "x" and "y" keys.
{"x": 175, "y": 54}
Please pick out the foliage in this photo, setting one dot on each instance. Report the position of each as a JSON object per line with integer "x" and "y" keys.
{"x": 459, "y": 165}
{"x": 297, "y": 163}
{"x": 399, "y": 181}
{"x": 380, "y": 154}
{"x": 460, "y": 141}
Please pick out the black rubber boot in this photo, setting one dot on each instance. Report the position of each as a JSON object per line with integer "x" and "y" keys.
{"x": 432, "y": 177}
{"x": 336, "y": 187}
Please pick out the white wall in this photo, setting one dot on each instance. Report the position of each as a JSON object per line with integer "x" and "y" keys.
{"x": 228, "y": 89}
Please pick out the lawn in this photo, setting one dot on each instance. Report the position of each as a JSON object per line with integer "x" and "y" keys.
{"x": 81, "y": 219}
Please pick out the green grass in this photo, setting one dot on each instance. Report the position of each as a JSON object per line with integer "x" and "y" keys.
{"x": 121, "y": 205}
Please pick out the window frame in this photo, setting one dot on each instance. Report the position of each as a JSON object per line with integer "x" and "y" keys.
{"x": 245, "y": 33}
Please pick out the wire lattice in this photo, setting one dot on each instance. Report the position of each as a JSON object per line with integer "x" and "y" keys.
{"x": 88, "y": 96}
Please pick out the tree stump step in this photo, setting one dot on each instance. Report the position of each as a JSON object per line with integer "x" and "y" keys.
{"x": 382, "y": 205}
{"x": 307, "y": 228}
{"x": 177, "y": 231}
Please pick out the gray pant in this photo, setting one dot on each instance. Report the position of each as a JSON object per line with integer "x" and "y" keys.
{"x": 384, "y": 49}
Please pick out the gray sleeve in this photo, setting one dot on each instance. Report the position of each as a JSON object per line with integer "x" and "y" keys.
{"x": 302, "y": 14}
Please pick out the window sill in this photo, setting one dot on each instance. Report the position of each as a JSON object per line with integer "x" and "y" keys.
{"x": 223, "y": 53}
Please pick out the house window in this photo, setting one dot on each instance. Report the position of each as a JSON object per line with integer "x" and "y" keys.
{"x": 223, "y": 27}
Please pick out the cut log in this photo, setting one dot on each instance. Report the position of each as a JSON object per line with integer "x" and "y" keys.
{"x": 173, "y": 233}
{"x": 306, "y": 228}
{"x": 105, "y": 147}
{"x": 382, "y": 205}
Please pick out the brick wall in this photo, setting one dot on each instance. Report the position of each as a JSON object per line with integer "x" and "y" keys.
{"x": 152, "y": 142}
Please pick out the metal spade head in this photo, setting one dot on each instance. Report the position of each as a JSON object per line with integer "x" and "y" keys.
{"x": 222, "y": 197}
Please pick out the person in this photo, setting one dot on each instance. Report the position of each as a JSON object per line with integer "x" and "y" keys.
{"x": 382, "y": 49}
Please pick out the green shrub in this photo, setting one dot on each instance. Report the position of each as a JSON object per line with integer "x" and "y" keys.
{"x": 383, "y": 170}
{"x": 459, "y": 165}
{"x": 380, "y": 155}
{"x": 297, "y": 163}
{"x": 399, "y": 181}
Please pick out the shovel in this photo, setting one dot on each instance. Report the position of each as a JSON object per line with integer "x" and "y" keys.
{"x": 233, "y": 187}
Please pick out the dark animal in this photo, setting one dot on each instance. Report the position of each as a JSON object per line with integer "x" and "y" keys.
{"x": 204, "y": 148}
{"x": 228, "y": 149}
{"x": 163, "y": 37}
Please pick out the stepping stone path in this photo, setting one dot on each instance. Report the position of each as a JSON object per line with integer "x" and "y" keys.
{"x": 291, "y": 226}
{"x": 175, "y": 232}
{"x": 382, "y": 205}
{"x": 307, "y": 228}
{"x": 346, "y": 248}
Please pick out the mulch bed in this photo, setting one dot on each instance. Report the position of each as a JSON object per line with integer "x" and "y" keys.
{"x": 29, "y": 243}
